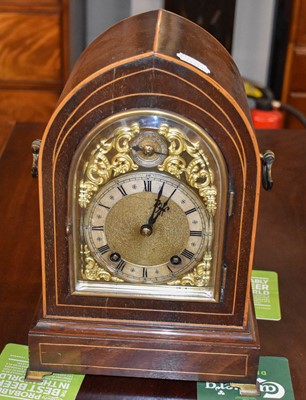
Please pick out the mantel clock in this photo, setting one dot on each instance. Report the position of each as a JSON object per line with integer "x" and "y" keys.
{"x": 149, "y": 178}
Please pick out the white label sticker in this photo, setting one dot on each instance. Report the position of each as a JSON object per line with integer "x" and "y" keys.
{"x": 194, "y": 62}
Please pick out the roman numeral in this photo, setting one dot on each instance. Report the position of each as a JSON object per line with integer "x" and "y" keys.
{"x": 103, "y": 249}
{"x": 190, "y": 211}
{"x": 102, "y": 205}
{"x": 122, "y": 190}
{"x": 144, "y": 273}
{"x": 195, "y": 233}
{"x": 169, "y": 269}
{"x": 188, "y": 254}
{"x": 147, "y": 186}
{"x": 121, "y": 265}
{"x": 98, "y": 228}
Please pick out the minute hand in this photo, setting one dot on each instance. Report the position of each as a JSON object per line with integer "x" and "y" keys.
{"x": 157, "y": 203}
{"x": 161, "y": 209}
{"x": 138, "y": 148}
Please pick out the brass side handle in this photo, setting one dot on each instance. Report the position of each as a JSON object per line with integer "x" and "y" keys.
{"x": 35, "y": 154}
{"x": 267, "y": 159}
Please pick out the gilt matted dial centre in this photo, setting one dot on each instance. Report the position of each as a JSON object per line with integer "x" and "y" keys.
{"x": 146, "y": 228}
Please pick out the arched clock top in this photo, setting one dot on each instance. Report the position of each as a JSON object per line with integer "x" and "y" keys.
{"x": 150, "y": 67}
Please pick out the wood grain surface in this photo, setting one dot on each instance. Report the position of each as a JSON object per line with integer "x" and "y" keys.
{"x": 5, "y": 131}
{"x": 34, "y": 57}
{"x": 27, "y": 53}
{"x": 293, "y": 91}
{"x": 280, "y": 247}
{"x": 35, "y": 104}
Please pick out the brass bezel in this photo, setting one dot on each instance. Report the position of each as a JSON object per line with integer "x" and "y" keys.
{"x": 193, "y": 133}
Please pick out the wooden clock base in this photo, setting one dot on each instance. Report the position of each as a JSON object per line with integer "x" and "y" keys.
{"x": 205, "y": 353}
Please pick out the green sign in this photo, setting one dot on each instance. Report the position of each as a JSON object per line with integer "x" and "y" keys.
{"x": 266, "y": 295}
{"x": 13, "y": 365}
{"x": 273, "y": 378}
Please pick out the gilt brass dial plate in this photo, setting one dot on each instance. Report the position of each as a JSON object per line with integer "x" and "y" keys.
{"x": 150, "y": 191}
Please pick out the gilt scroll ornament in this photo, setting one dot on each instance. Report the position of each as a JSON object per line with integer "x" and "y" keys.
{"x": 99, "y": 169}
{"x": 184, "y": 159}
{"x": 94, "y": 272}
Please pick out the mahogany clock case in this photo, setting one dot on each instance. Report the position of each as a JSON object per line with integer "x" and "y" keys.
{"x": 160, "y": 62}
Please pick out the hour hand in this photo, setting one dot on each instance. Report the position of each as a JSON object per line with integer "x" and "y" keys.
{"x": 159, "y": 209}
{"x": 147, "y": 229}
{"x": 148, "y": 150}
{"x": 163, "y": 207}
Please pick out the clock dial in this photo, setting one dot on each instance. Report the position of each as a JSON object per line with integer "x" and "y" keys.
{"x": 149, "y": 149}
{"x": 149, "y": 189}
{"x": 146, "y": 228}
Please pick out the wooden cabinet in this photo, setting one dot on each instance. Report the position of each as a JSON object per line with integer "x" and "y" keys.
{"x": 33, "y": 57}
{"x": 294, "y": 88}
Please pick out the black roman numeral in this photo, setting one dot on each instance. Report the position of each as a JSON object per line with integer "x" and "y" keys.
{"x": 98, "y": 228}
{"x": 102, "y": 205}
{"x": 121, "y": 265}
{"x": 103, "y": 249}
{"x": 147, "y": 186}
{"x": 144, "y": 273}
{"x": 122, "y": 190}
{"x": 190, "y": 211}
{"x": 188, "y": 254}
{"x": 195, "y": 233}
{"x": 169, "y": 269}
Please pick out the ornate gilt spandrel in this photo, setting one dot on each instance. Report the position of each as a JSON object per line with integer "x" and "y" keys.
{"x": 92, "y": 271}
{"x": 184, "y": 159}
{"x": 200, "y": 176}
{"x": 99, "y": 169}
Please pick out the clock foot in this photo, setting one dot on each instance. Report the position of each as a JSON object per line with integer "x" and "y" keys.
{"x": 247, "y": 389}
{"x": 36, "y": 376}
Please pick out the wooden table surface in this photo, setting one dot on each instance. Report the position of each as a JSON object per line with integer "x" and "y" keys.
{"x": 280, "y": 247}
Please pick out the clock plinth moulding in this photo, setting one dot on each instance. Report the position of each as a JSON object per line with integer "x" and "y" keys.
{"x": 155, "y": 99}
